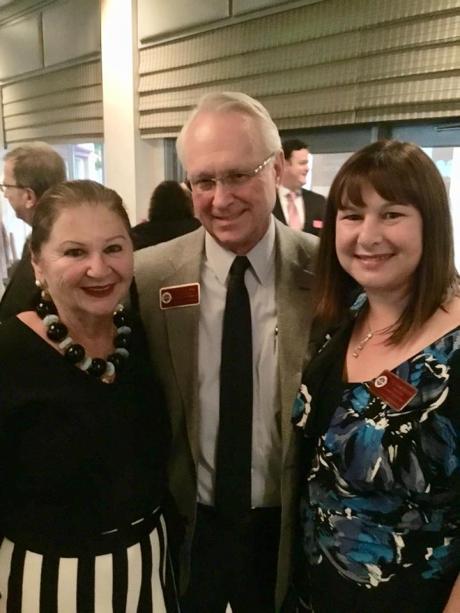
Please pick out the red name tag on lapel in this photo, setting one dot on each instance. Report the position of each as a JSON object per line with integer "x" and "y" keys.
{"x": 318, "y": 223}
{"x": 179, "y": 296}
{"x": 393, "y": 390}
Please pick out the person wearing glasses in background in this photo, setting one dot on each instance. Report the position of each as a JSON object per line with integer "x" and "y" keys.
{"x": 29, "y": 170}
{"x": 227, "y": 312}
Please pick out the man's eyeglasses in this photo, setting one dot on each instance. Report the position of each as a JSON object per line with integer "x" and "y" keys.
{"x": 4, "y": 186}
{"x": 230, "y": 180}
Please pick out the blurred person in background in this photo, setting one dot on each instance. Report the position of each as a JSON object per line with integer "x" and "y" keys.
{"x": 29, "y": 170}
{"x": 299, "y": 208}
{"x": 170, "y": 215}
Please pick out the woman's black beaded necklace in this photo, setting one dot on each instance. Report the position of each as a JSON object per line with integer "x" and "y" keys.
{"x": 57, "y": 332}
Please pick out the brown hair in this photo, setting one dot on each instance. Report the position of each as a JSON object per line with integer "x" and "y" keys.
{"x": 293, "y": 144}
{"x": 403, "y": 173}
{"x": 37, "y": 166}
{"x": 67, "y": 195}
{"x": 170, "y": 201}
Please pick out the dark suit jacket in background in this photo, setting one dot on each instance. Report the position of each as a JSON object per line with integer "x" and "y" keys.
{"x": 157, "y": 231}
{"x": 21, "y": 293}
{"x": 314, "y": 206}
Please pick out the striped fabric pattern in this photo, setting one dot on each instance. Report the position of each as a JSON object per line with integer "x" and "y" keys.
{"x": 136, "y": 579}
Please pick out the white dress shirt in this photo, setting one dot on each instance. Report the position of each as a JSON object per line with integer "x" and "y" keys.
{"x": 298, "y": 201}
{"x": 266, "y": 428}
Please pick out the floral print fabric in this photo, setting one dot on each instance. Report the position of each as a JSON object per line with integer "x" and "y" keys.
{"x": 383, "y": 490}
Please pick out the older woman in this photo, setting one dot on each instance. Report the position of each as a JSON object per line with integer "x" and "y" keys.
{"x": 380, "y": 404}
{"x": 83, "y": 428}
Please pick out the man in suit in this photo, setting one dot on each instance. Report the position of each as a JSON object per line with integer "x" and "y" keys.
{"x": 295, "y": 206}
{"x": 232, "y": 153}
{"x": 29, "y": 170}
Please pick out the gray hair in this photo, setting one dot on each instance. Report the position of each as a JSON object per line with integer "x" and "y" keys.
{"x": 237, "y": 102}
{"x": 37, "y": 166}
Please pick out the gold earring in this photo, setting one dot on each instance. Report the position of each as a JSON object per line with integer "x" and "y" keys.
{"x": 44, "y": 290}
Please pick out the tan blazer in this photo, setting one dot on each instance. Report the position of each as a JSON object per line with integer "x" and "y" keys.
{"x": 173, "y": 340}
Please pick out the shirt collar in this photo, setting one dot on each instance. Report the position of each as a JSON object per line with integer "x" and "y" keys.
{"x": 284, "y": 191}
{"x": 261, "y": 256}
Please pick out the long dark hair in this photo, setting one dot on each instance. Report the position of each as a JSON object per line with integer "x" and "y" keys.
{"x": 170, "y": 201}
{"x": 399, "y": 172}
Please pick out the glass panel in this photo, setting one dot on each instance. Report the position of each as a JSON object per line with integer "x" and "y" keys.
{"x": 323, "y": 168}
{"x": 83, "y": 161}
{"x": 447, "y": 160}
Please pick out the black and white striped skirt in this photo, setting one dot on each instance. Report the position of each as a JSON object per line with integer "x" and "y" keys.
{"x": 130, "y": 579}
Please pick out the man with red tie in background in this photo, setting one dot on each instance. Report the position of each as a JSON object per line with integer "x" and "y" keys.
{"x": 299, "y": 208}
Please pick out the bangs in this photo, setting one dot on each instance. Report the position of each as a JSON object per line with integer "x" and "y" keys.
{"x": 387, "y": 182}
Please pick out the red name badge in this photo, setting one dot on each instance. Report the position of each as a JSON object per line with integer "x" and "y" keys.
{"x": 393, "y": 390}
{"x": 318, "y": 223}
{"x": 179, "y": 296}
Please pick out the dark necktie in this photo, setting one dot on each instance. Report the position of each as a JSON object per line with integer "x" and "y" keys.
{"x": 234, "y": 444}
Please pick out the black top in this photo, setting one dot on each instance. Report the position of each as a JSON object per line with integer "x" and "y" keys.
{"x": 20, "y": 293}
{"x": 77, "y": 456}
{"x": 161, "y": 230}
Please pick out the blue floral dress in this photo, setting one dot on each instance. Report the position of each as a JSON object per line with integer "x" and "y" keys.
{"x": 380, "y": 505}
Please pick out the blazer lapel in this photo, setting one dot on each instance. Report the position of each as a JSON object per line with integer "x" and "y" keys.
{"x": 294, "y": 280}
{"x": 182, "y": 330}
{"x": 278, "y": 210}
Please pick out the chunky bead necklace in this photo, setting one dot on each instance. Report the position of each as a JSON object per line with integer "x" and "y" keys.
{"x": 75, "y": 353}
